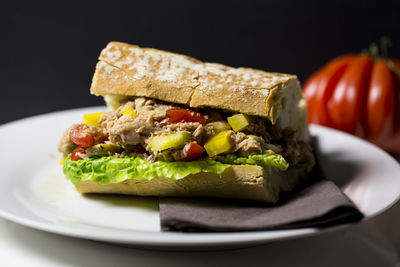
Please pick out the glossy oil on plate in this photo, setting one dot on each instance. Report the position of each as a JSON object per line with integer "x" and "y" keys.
{"x": 35, "y": 193}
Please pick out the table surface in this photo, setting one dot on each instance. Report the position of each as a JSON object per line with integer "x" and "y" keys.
{"x": 372, "y": 243}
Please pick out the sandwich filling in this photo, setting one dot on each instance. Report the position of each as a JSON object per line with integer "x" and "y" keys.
{"x": 153, "y": 131}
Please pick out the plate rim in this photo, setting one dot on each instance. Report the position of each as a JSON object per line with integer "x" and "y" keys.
{"x": 366, "y": 143}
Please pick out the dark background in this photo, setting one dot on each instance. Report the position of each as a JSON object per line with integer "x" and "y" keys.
{"x": 49, "y": 49}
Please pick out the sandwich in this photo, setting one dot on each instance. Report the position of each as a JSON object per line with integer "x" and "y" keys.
{"x": 180, "y": 127}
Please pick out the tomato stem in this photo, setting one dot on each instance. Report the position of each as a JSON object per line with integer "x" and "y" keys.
{"x": 385, "y": 43}
{"x": 374, "y": 51}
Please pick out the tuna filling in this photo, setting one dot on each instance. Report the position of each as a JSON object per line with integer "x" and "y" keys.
{"x": 155, "y": 130}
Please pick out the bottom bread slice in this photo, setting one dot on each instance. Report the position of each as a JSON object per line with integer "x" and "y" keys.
{"x": 248, "y": 182}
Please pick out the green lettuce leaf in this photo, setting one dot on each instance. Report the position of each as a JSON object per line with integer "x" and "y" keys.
{"x": 263, "y": 160}
{"x": 106, "y": 170}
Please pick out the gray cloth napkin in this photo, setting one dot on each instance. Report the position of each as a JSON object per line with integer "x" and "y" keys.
{"x": 318, "y": 204}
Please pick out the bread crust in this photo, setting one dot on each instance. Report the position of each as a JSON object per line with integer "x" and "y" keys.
{"x": 129, "y": 70}
{"x": 247, "y": 182}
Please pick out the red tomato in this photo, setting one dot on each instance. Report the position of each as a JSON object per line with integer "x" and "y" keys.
{"x": 82, "y": 136}
{"x": 358, "y": 95}
{"x": 192, "y": 151}
{"x": 75, "y": 154}
{"x": 182, "y": 115}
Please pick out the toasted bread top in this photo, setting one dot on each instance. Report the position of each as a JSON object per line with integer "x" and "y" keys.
{"x": 129, "y": 70}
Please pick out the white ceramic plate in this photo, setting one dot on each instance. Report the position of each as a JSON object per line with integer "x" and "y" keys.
{"x": 34, "y": 192}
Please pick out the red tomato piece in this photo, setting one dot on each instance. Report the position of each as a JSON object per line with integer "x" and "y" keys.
{"x": 82, "y": 136}
{"x": 192, "y": 151}
{"x": 76, "y": 153}
{"x": 182, "y": 115}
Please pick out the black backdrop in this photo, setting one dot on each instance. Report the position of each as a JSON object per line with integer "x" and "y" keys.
{"x": 49, "y": 49}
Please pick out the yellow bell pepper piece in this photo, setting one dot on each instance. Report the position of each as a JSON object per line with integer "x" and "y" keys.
{"x": 219, "y": 143}
{"x": 219, "y": 126}
{"x": 92, "y": 118}
{"x": 130, "y": 112}
{"x": 174, "y": 140}
{"x": 238, "y": 122}
{"x": 63, "y": 159}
